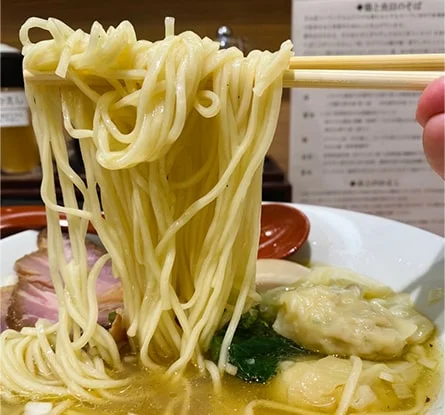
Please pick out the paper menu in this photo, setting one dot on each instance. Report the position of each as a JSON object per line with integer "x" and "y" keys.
{"x": 362, "y": 149}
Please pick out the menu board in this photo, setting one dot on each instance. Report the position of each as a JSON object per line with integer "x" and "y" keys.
{"x": 362, "y": 149}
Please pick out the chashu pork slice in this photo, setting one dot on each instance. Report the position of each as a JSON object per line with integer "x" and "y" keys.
{"x": 5, "y": 301}
{"x": 34, "y": 296}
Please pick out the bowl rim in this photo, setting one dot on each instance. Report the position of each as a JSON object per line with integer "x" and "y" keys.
{"x": 21, "y": 212}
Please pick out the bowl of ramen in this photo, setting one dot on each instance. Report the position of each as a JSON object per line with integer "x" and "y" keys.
{"x": 166, "y": 308}
{"x": 302, "y": 331}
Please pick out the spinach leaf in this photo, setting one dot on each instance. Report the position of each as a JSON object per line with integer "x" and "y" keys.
{"x": 256, "y": 349}
{"x": 111, "y": 317}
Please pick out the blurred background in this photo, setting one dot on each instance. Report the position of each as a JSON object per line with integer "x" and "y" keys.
{"x": 258, "y": 24}
{"x": 357, "y": 150}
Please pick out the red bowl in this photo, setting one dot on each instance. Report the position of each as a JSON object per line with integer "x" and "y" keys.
{"x": 15, "y": 219}
{"x": 284, "y": 229}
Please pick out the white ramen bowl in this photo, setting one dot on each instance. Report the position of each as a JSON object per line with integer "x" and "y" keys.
{"x": 398, "y": 255}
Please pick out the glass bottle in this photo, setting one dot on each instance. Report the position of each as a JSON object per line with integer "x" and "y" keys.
{"x": 19, "y": 153}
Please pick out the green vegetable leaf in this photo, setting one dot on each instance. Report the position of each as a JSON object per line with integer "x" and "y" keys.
{"x": 256, "y": 349}
{"x": 215, "y": 346}
{"x": 112, "y": 317}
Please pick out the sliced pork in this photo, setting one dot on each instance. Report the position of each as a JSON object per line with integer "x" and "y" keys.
{"x": 5, "y": 301}
{"x": 34, "y": 296}
{"x": 35, "y": 266}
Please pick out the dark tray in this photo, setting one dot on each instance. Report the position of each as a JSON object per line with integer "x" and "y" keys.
{"x": 25, "y": 188}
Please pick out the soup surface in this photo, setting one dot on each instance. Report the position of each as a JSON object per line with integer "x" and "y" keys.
{"x": 153, "y": 394}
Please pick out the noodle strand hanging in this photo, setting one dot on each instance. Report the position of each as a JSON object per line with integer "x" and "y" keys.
{"x": 177, "y": 158}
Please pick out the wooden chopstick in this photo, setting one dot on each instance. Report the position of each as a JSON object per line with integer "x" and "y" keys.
{"x": 415, "y": 62}
{"x": 395, "y": 80}
{"x": 50, "y": 78}
{"x": 304, "y": 78}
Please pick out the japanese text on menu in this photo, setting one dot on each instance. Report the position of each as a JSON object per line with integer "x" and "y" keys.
{"x": 362, "y": 149}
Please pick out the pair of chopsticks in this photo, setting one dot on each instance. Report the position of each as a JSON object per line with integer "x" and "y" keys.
{"x": 397, "y": 72}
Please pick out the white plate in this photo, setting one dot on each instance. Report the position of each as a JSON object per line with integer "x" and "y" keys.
{"x": 401, "y": 256}
{"x": 12, "y": 248}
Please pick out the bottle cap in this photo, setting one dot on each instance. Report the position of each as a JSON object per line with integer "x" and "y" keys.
{"x": 11, "y": 67}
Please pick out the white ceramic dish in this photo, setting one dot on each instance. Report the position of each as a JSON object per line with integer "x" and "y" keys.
{"x": 401, "y": 256}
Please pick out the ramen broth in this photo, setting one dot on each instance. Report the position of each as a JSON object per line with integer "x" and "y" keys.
{"x": 151, "y": 393}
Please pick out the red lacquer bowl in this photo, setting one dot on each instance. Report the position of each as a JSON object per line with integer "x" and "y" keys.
{"x": 284, "y": 229}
